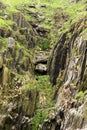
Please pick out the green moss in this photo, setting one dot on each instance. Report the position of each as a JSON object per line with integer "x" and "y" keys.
{"x": 4, "y": 43}
{"x": 44, "y": 43}
{"x": 80, "y": 95}
{"x": 38, "y": 119}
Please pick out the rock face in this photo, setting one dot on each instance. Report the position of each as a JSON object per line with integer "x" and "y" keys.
{"x": 17, "y": 115}
{"x": 67, "y": 67}
{"x": 57, "y": 62}
{"x": 69, "y": 56}
{"x": 27, "y": 102}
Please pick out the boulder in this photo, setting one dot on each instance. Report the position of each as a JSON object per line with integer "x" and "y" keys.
{"x": 11, "y": 42}
{"x": 40, "y": 58}
{"x": 41, "y": 69}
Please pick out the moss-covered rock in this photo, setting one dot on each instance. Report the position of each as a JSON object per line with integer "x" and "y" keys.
{"x": 6, "y": 75}
{"x": 27, "y": 102}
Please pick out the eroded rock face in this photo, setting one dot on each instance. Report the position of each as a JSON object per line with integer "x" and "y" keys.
{"x": 68, "y": 113}
{"x": 6, "y": 75}
{"x": 57, "y": 60}
{"x": 68, "y": 66}
{"x": 17, "y": 112}
{"x": 27, "y": 102}
{"x": 69, "y": 56}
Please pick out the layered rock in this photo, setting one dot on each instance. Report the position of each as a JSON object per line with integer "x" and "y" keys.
{"x": 67, "y": 67}
{"x": 69, "y": 55}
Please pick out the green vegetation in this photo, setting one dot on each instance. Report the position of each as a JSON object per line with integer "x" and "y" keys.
{"x": 44, "y": 43}
{"x": 42, "y": 84}
{"x": 39, "y": 118}
{"x": 74, "y": 11}
{"x": 80, "y": 95}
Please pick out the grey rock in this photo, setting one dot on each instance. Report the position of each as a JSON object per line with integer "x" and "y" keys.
{"x": 11, "y": 42}
{"x": 41, "y": 68}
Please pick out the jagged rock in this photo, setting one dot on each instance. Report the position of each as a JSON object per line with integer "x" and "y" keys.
{"x": 71, "y": 54}
{"x": 40, "y": 58}
{"x": 69, "y": 59}
{"x": 57, "y": 62}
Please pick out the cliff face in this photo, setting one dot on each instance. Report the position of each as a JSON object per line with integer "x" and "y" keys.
{"x": 69, "y": 55}
{"x": 67, "y": 68}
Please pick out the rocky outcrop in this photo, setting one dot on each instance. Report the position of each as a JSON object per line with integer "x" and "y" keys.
{"x": 57, "y": 60}
{"x": 27, "y": 102}
{"x": 67, "y": 67}
{"x": 40, "y": 62}
{"x": 69, "y": 54}
{"x": 19, "y": 110}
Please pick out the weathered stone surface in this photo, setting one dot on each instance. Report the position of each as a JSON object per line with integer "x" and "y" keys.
{"x": 11, "y": 42}
{"x": 27, "y": 102}
{"x": 41, "y": 69}
{"x": 40, "y": 58}
{"x": 70, "y": 54}
{"x": 57, "y": 60}
{"x": 69, "y": 112}
{"x": 5, "y": 76}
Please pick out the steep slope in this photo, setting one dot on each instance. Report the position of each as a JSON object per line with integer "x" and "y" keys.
{"x": 68, "y": 66}
{"x": 20, "y": 89}
{"x": 29, "y": 31}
